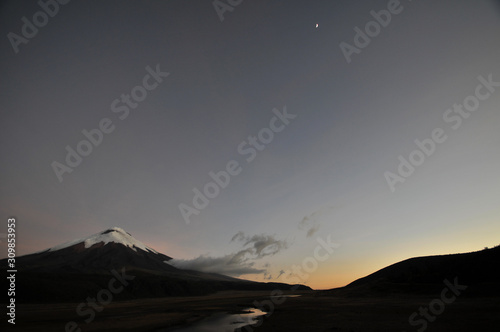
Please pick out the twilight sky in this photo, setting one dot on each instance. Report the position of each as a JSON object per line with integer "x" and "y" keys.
{"x": 320, "y": 174}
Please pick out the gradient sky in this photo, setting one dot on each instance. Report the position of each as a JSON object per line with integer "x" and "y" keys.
{"x": 323, "y": 175}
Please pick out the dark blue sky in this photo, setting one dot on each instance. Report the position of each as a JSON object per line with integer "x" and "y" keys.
{"x": 323, "y": 174}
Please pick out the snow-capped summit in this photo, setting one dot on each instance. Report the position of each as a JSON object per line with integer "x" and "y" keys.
{"x": 114, "y": 234}
{"x": 99, "y": 253}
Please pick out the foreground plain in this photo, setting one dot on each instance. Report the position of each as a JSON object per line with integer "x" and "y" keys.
{"x": 312, "y": 311}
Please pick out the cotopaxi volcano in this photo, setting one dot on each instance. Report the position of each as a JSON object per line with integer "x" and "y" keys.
{"x": 76, "y": 269}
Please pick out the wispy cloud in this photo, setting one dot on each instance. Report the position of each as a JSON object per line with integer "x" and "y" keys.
{"x": 260, "y": 245}
{"x": 313, "y": 229}
{"x": 231, "y": 265}
{"x": 310, "y": 223}
{"x": 240, "y": 262}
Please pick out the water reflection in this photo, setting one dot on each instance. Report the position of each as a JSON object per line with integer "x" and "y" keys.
{"x": 223, "y": 322}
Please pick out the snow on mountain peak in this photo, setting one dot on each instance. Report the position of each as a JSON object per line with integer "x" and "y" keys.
{"x": 114, "y": 234}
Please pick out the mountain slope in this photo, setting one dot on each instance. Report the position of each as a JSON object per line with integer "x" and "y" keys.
{"x": 98, "y": 253}
{"x": 78, "y": 269}
{"x": 114, "y": 234}
{"x": 480, "y": 271}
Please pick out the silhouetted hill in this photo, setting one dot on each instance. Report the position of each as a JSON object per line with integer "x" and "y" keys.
{"x": 479, "y": 270}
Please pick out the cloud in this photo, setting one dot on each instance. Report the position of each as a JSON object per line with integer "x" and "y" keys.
{"x": 310, "y": 223}
{"x": 231, "y": 265}
{"x": 312, "y": 230}
{"x": 279, "y": 275}
{"x": 240, "y": 262}
{"x": 260, "y": 245}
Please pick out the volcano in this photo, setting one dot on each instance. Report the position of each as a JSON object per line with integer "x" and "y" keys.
{"x": 79, "y": 268}
{"x": 98, "y": 254}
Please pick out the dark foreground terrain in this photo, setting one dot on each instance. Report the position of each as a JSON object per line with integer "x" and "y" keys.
{"x": 312, "y": 311}
{"x": 458, "y": 292}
